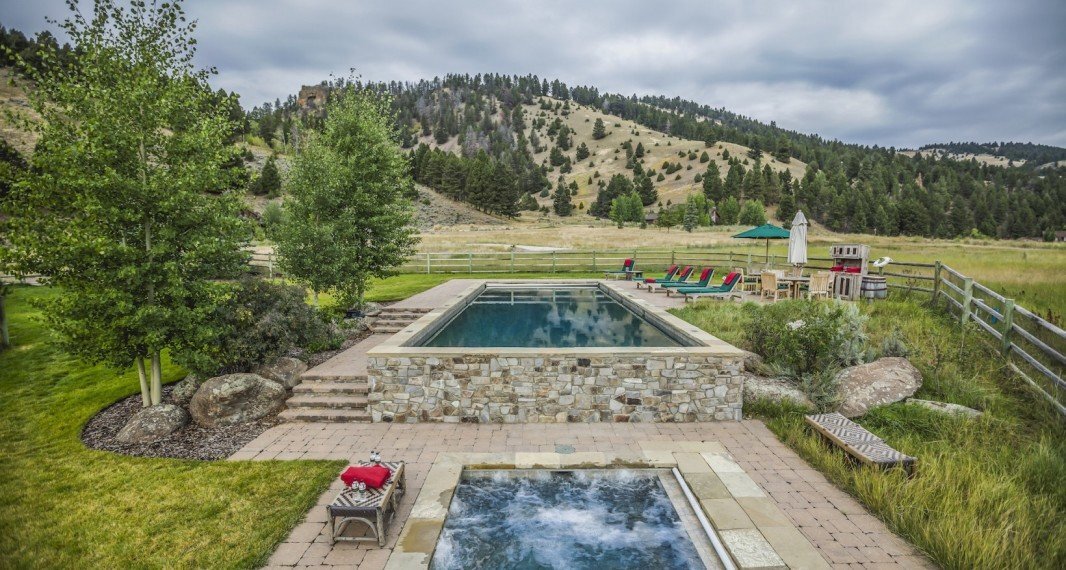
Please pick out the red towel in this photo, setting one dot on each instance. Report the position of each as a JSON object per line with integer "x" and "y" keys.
{"x": 729, "y": 279}
{"x": 853, "y": 270}
{"x": 374, "y": 476}
{"x": 837, "y": 268}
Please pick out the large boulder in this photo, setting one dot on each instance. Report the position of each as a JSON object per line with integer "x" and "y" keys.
{"x": 883, "y": 381}
{"x": 285, "y": 371}
{"x": 153, "y": 423}
{"x": 185, "y": 388}
{"x": 775, "y": 390}
{"x": 236, "y": 398}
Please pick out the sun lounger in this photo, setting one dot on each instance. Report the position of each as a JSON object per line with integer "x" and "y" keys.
{"x": 670, "y": 273}
{"x": 705, "y": 279}
{"x": 729, "y": 284}
{"x": 626, "y": 272}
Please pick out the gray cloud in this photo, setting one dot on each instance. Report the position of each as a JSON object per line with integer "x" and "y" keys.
{"x": 901, "y": 73}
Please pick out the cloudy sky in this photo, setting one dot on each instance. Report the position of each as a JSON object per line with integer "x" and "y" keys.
{"x": 889, "y": 72}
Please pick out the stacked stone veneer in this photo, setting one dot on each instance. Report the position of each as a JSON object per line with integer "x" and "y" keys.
{"x": 484, "y": 388}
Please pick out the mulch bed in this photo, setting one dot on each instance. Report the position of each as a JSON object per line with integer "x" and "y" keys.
{"x": 190, "y": 442}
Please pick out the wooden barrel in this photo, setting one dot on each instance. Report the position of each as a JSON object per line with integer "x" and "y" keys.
{"x": 874, "y": 287}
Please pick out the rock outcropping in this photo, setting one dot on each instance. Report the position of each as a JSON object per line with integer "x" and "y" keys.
{"x": 153, "y": 423}
{"x": 236, "y": 398}
{"x": 285, "y": 371}
{"x": 883, "y": 381}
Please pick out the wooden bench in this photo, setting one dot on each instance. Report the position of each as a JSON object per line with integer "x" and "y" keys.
{"x": 859, "y": 443}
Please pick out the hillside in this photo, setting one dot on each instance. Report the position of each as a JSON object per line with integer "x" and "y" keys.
{"x": 659, "y": 148}
{"x": 1000, "y": 154}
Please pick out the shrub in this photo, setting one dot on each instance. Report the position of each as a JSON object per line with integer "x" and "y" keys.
{"x": 256, "y": 321}
{"x": 801, "y": 338}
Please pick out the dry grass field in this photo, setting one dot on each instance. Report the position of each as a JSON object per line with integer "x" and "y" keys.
{"x": 1031, "y": 272}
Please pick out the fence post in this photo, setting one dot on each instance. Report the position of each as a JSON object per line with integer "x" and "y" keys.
{"x": 428, "y": 263}
{"x": 553, "y": 261}
{"x": 593, "y": 260}
{"x": 512, "y": 261}
{"x": 673, "y": 257}
{"x": 749, "y": 262}
{"x": 470, "y": 262}
{"x": 967, "y": 299}
{"x": 1008, "y": 325}
{"x": 936, "y": 282}
{"x": 270, "y": 264}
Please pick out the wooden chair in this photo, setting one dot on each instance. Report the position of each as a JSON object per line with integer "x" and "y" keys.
{"x": 819, "y": 286}
{"x": 770, "y": 288}
{"x": 748, "y": 283}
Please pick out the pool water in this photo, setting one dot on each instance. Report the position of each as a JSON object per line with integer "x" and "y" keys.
{"x": 570, "y": 317}
{"x": 533, "y": 519}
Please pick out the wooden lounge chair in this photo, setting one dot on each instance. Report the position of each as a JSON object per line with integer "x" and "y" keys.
{"x": 728, "y": 286}
{"x": 670, "y": 273}
{"x": 771, "y": 288}
{"x": 705, "y": 279}
{"x": 626, "y": 271}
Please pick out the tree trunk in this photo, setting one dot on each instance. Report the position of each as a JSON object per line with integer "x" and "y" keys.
{"x": 314, "y": 298}
{"x": 157, "y": 379}
{"x": 146, "y": 398}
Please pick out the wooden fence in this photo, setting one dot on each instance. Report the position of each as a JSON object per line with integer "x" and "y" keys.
{"x": 1032, "y": 346}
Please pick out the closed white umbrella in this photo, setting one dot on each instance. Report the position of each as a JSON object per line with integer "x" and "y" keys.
{"x": 797, "y": 240}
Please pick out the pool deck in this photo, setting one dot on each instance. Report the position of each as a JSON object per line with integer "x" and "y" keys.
{"x": 841, "y": 530}
{"x": 838, "y": 527}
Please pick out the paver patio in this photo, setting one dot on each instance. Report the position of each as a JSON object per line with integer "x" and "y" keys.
{"x": 844, "y": 533}
{"x": 840, "y": 528}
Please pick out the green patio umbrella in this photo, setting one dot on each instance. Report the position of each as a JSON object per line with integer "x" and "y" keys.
{"x": 766, "y": 232}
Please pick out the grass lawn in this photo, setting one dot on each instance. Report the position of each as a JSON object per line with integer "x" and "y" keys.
{"x": 988, "y": 492}
{"x": 65, "y": 506}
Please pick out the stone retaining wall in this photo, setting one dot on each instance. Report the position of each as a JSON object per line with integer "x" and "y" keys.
{"x": 483, "y": 388}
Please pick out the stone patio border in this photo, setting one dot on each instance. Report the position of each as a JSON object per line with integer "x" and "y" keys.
{"x": 754, "y": 530}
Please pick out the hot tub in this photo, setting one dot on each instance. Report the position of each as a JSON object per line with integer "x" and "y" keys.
{"x": 585, "y": 518}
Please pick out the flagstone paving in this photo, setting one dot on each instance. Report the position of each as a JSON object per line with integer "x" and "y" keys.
{"x": 838, "y": 526}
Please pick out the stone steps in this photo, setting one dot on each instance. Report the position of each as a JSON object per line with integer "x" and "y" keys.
{"x": 327, "y": 400}
{"x": 331, "y": 387}
{"x": 321, "y": 398}
{"x": 391, "y": 320}
{"x": 325, "y": 415}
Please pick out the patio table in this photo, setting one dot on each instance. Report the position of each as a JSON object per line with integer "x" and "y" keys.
{"x": 794, "y": 283}
{"x": 373, "y": 507}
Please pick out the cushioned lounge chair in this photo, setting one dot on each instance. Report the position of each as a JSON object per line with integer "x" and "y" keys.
{"x": 705, "y": 279}
{"x": 626, "y": 271}
{"x": 729, "y": 285}
{"x": 670, "y": 273}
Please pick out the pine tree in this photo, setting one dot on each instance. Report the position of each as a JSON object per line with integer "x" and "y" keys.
{"x": 619, "y": 185}
{"x": 648, "y": 194}
{"x": 734, "y": 179}
{"x": 504, "y": 188}
{"x": 556, "y": 157}
{"x": 582, "y": 152}
{"x": 268, "y": 183}
{"x": 786, "y": 209}
{"x": 712, "y": 183}
{"x": 563, "y": 140}
{"x": 639, "y": 152}
{"x": 692, "y": 216}
{"x": 599, "y": 131}
{"x": 704, "y": 157}
{"x": 561, "y": 199}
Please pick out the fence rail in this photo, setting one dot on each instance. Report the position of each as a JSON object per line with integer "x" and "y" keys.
{"x": 1034, "y": 348}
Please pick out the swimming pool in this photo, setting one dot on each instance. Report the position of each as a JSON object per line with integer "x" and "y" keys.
{"x": 552, "y": 317}
{"x": 528, "y": 351}
{"x": 595, "y": 518}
